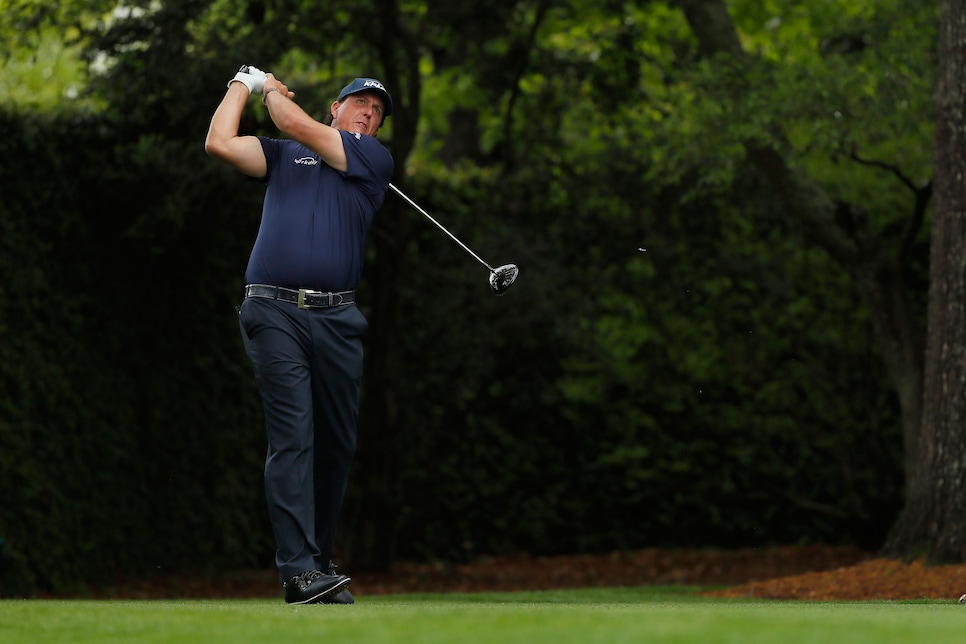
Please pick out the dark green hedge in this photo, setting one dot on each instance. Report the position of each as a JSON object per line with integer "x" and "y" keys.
{"x": 721, "y": 390}
{"x": 129, "y": 438}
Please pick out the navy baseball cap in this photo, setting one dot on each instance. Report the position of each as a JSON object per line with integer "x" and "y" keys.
{"x": 368, "y": 85}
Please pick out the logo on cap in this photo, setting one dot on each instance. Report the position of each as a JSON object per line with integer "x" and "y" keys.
{"x": 374, "y": 83}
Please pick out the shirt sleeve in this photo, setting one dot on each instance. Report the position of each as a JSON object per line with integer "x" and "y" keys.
{"x": 272, "y": 151}
{"x": 368, "y": 162}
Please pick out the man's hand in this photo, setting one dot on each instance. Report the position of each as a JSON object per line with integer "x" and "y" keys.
{"x": 272, "y": 84}
{"x": 251, "y": 77}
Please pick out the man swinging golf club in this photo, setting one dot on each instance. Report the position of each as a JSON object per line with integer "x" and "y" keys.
{"x": 299, "y": 322}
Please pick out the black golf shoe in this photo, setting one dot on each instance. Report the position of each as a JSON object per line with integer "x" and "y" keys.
{"x": 341, "y": 597}
{"x": 313, "y": 586}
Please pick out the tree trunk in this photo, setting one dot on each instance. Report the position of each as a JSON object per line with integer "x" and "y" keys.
{"x": 933, "y": 521}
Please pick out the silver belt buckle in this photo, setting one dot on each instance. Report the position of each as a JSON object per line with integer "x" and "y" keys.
{"x": 302, "y": 293}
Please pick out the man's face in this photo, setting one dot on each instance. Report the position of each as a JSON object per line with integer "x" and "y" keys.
{"x": 361, "y": 112}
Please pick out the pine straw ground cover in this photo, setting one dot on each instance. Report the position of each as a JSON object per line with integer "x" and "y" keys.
{"x": 794, "y": 572}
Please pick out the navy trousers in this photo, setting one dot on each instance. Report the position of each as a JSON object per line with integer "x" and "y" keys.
{"x": 308, "y": 366}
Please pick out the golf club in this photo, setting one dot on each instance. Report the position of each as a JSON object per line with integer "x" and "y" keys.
{"x": 501, "y": 277}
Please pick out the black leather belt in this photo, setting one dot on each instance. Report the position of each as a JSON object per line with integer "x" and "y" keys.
{"x": 303, "y": 297}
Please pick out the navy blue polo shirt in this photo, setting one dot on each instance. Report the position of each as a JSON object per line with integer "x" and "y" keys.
{"x": 315, "y": 220}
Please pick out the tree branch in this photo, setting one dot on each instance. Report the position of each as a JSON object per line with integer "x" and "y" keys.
{"x": 923, "y": 195}
{"x": 712, "y": 26}
{"x": 885, "y": 166}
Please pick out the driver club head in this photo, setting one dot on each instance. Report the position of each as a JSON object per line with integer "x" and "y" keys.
{"x": 503, "y": 277}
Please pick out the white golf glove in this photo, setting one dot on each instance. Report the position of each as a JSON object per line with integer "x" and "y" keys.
{"x": 251, "y": 77}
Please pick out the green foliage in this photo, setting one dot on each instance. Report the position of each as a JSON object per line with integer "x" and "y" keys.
{"x": 692, "y": 392}
{"x": 838, "y": 79}
{"x": 49, "y": 77}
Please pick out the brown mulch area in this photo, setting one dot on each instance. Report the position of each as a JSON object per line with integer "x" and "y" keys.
{"x": 794, "y": 572}
{"x": 871, "y": 579}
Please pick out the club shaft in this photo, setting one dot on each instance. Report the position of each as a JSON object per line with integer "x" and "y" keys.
{"x": 440, "y": 226}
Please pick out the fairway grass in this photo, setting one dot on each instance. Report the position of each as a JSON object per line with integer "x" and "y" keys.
{"x": 553, "y": 617}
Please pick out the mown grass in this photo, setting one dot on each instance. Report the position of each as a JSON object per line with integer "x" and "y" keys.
{"x": 552, "y": 617}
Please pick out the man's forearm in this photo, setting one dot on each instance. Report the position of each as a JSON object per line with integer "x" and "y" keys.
{"x": 284, "y": 112}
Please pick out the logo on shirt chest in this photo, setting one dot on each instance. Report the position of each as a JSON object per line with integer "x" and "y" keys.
{"x": 307, "y": 161}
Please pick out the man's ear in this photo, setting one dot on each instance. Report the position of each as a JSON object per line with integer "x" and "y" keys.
{"x": 333, "y": 109}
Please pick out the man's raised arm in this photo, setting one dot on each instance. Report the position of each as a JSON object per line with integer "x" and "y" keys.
{"x": 297, "y": 124}
{"x": 223, "y": 142}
